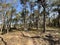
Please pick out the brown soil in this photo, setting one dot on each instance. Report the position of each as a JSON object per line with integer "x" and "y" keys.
{"x": 27, "y": 38}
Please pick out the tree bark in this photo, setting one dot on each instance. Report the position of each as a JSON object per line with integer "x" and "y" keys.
{"x": 44, "y": 21}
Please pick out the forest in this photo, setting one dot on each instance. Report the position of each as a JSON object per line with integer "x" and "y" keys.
{"x": 29, "y": 17}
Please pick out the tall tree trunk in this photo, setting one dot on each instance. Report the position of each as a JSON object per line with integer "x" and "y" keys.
{"x": 3, "y": 21}
{"x": 33, "y": 20}
{"x": 25, "y": 26}
{"x": 44, "y": 20}
{"x": 59, "y": 17}
{"x": 30, "y": 23}
{"x": 38, "y": 17}
{"x": 54, "y": 21}
{"x": 38, "y": 23}
{"x": 3, "y": 24}
{"x": 49, "y": 22}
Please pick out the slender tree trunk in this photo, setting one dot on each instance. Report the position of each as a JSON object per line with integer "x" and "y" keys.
{"x": 30, "y": 23}
{"x": 10, "y": 20}
{"x": 25, "y": 27}
{"x": 59, "y": 16}
{"x": 44, "y": 20}
{"x": 38, "y": 17}
{"x": 24, "y": 21}
{"x": 58, "y": 22}
{"x": 30, "y": 18}
{"x": 3, "y": 22}
{"x": 54, "y": 21}
{"x": 49, "y": 22}
{"x": 7, "y": 29}
{"x": 38, "y": 22}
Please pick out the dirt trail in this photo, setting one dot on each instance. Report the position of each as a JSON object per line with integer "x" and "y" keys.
{"x": 24, "y": 38}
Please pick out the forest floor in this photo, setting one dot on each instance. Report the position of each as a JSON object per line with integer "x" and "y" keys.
{"x": 30, "y": 38}
{"x": 53, "y": 28}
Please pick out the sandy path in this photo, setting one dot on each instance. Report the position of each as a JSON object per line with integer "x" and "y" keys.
{"x": 23, "y": 38}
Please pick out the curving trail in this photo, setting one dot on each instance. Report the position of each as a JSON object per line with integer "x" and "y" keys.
{"x": 25, "y": 38}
